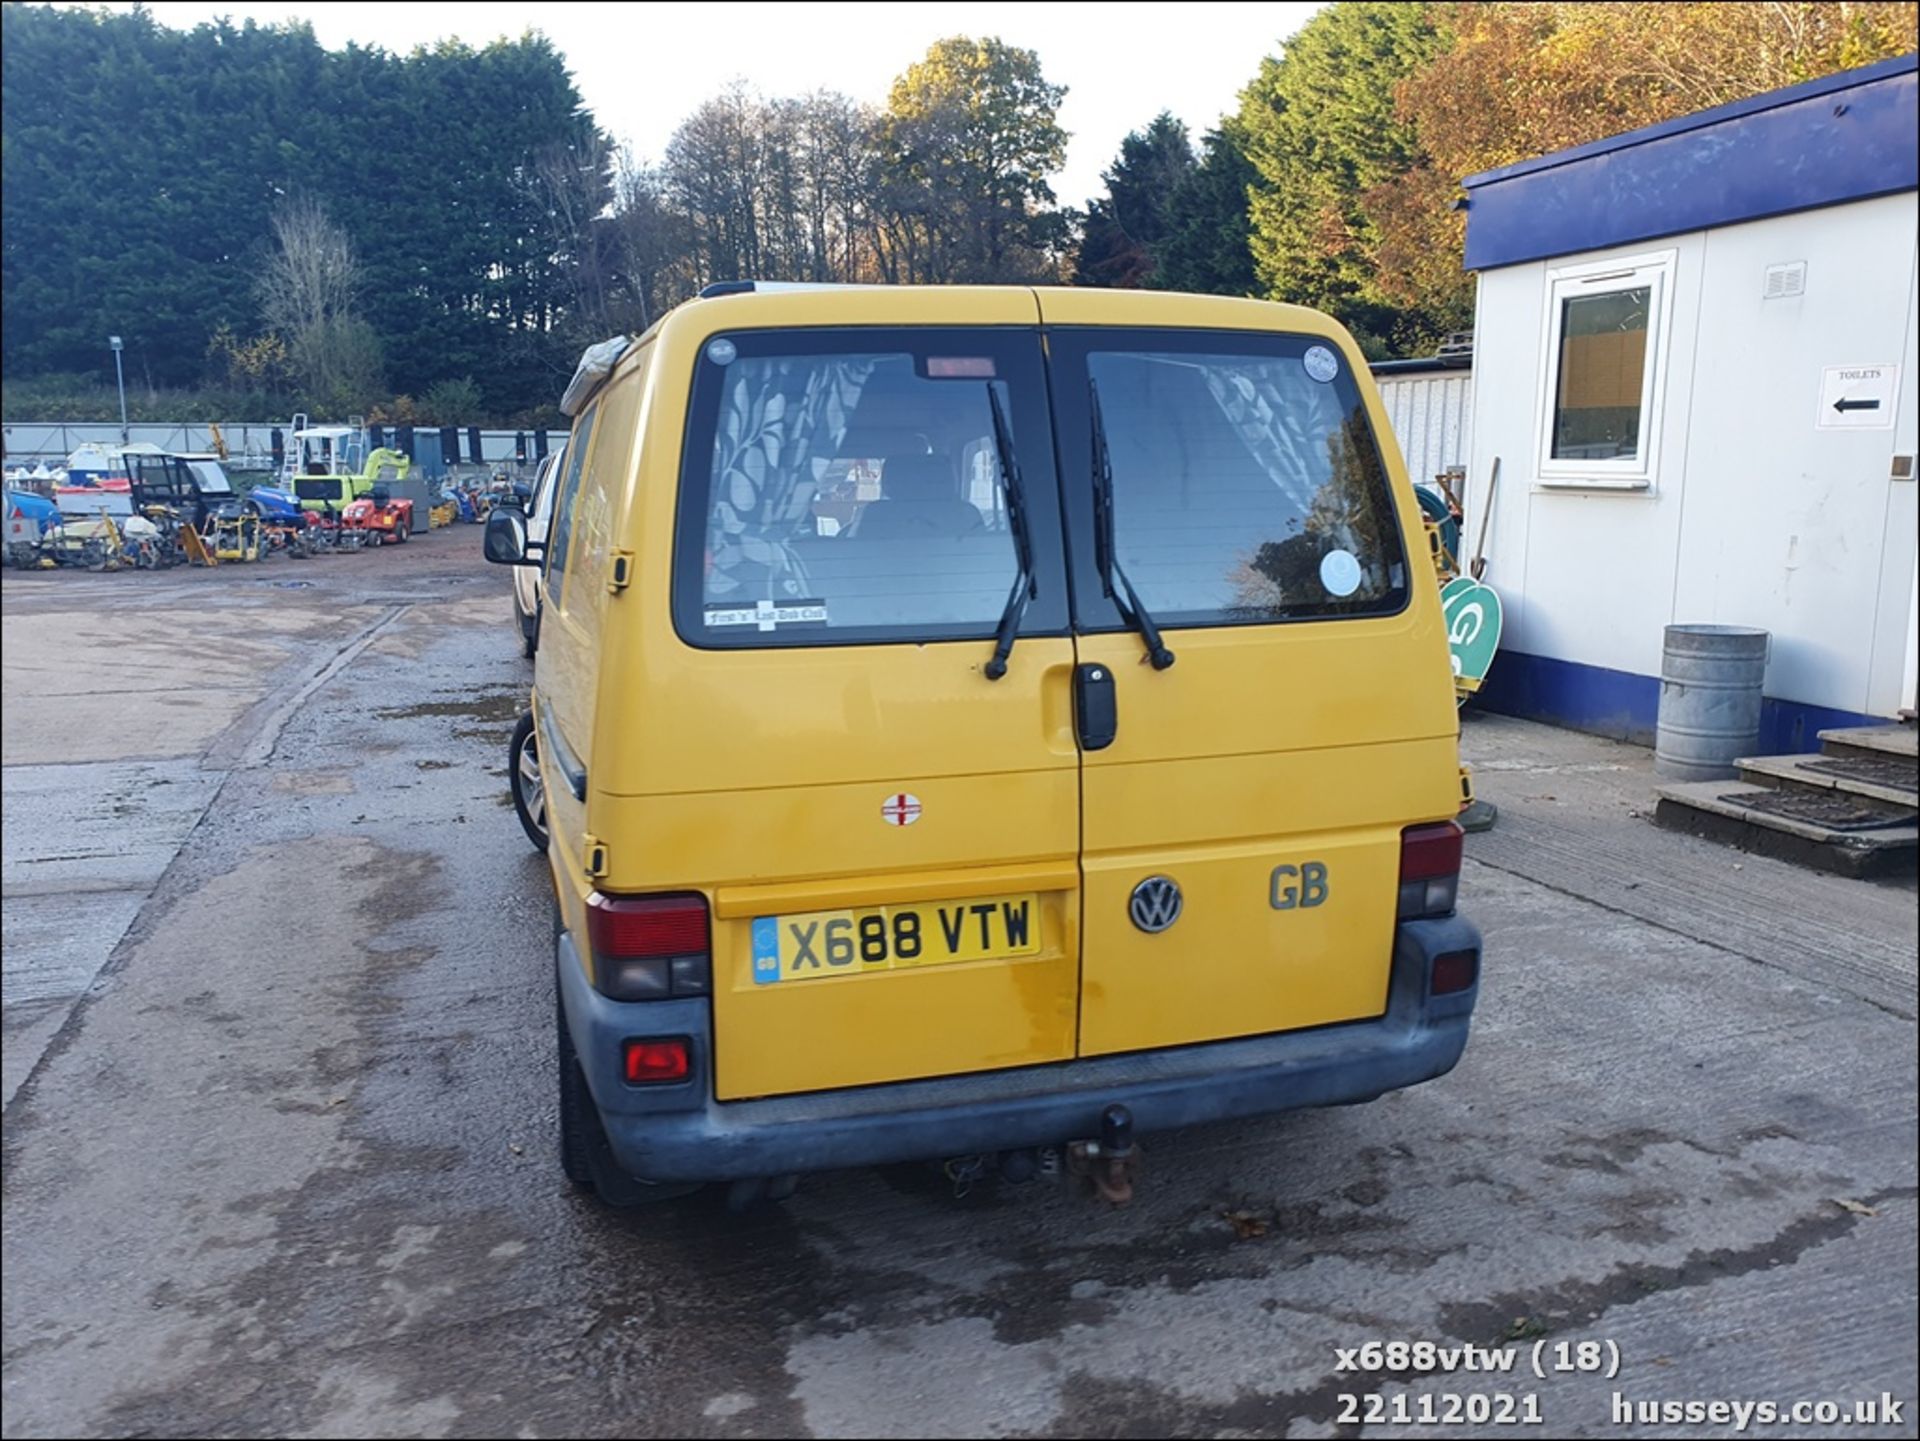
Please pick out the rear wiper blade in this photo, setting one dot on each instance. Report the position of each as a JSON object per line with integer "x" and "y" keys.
{"x": 1016, "y": 502}
{"x": 1106, "y": 559}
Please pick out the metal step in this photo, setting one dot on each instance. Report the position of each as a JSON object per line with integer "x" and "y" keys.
{"x": 1749, "y": 816}
{"x": 1891, "y": 740}
{"x": 1879, "y": 777}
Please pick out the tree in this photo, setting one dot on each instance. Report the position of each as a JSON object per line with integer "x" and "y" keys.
{"x": 713, "y": 175}
{"x": 135, "y": 190}
{"x": 1207, "y": 246}
{"x": 651, "y": 247}
{"x": 308, "y": 294}
{"x": 766, "y": 189}
{"x": 1320, "y": 127}
{"x": 1515, "y": 81}
{"x": 576, "y": 185}
{"x": 137, "y": 193}
{"x": 1125, "y": 228}
{"x": 967, "y": 140}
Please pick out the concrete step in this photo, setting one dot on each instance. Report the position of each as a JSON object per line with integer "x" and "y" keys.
{"x": 1901, "y": 740}
{"x": 1730, "y": 811}
{"x": 1888, "y": 782}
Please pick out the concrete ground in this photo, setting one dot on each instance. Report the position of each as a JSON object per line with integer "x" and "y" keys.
{"x": 279, "y": 1105}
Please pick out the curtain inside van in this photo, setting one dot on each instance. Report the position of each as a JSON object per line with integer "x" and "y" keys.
{"x": 1320, "y": 457}
{"x": 1282, "y": 417}
{"x": 781, "y": 423}
{"x": 1238, "y": 478}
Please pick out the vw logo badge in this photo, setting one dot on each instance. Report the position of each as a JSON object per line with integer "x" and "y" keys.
{"x": 1155, "y": 904}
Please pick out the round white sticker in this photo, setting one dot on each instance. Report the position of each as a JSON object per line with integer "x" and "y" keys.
{"x": 721, "y": 351}
{"x": 1340, "y": 572}
{"x": 900, "y": 809}
{"x": 1322, "y": 364}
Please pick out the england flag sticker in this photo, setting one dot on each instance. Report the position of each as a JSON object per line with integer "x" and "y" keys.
{"x": 900, "y": 809}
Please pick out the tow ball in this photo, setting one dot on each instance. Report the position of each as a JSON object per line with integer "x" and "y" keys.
{"x": 1111, "y": 1163}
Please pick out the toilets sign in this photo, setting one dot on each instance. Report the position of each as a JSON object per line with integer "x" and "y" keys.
{"x": 1858, "y": 397}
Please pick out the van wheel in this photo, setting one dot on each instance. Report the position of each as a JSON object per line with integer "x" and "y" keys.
{"x": 581, "y": 1133}
{"x": 585, "y": 1155}
{"x": 523, "y": 778}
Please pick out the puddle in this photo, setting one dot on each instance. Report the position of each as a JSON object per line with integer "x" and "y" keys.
{"x": 504, "y": 708}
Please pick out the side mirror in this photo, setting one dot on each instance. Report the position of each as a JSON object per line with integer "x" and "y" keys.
{"x": 506, "y": 538}
{"x": 505, "y": 541}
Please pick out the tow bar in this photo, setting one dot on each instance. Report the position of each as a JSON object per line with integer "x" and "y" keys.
{"x": 1111, "y": 1163}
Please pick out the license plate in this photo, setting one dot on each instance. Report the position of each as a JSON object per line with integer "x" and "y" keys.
{"x": 817, "y": 944}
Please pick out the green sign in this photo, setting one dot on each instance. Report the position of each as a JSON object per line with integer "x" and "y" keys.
{"x": 1472, "y": 612}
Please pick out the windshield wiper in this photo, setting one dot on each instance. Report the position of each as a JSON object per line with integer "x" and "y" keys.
{"x": 1016, "y": 501}
{"x": 1113, "y": 580}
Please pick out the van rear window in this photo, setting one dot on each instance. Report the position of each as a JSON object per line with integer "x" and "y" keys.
{"x": 1247, "y": 486}
{"x": 844, "y": 486}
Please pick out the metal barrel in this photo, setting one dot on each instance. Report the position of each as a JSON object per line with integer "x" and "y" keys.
{"x": 1710, "y": 690}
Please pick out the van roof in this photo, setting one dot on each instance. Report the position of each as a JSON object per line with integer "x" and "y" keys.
{"x": 763, "y": 303}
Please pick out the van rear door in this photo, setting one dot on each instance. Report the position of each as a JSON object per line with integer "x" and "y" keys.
{"x": 889, "y": 839}
{"x": 1242, "y": 827}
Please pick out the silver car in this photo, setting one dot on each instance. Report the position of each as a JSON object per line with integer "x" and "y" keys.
{"x": 526, "y": 578}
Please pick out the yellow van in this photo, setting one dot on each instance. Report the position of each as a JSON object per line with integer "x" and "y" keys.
{"x": 980, "y": 723}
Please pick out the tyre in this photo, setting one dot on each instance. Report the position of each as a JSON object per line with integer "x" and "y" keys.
{"x": 581, "y": 1134}
{"x": 523, "y": 777}
{"x": 401, "y": 527}
{"x": 586, "y": 1158}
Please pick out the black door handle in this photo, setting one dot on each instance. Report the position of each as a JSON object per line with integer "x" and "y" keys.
{"x": 1095, "y": 709}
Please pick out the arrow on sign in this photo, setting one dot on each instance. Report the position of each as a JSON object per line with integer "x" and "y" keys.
{"x": 1843, "y": 406}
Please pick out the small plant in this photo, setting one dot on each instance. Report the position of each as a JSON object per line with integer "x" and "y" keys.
{"x": 451, "y": 402}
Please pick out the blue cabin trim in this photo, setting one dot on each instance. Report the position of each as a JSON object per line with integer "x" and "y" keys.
{"x": 1843, "y": 137}
{"x": 1624, "y": 706}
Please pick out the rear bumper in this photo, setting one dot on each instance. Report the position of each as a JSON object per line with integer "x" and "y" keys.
{"x": 679, "y": 1133}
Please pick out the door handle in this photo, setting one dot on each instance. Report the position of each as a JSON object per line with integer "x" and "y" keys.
{"x": 1095, "y": 709}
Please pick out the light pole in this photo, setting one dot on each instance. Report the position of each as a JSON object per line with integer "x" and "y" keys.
{"x": 120, "y": 379}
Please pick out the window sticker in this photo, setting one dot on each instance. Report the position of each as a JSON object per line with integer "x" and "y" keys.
{"x": 1340, "y": 572}
{"x": 1321, "y": 363}
{"x": 769, "y": 615}
{"x": 721, "y": 351}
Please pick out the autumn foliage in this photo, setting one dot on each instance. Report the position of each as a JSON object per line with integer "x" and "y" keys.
{"x": 1476, "y": 86}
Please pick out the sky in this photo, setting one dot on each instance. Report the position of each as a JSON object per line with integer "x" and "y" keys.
{"x": 643, "y": 68}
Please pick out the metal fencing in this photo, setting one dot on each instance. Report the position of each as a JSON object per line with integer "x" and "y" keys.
{"x": 1432, "y": 418}
{"x": 33, "y": 443}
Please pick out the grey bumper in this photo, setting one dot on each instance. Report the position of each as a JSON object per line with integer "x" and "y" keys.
{"x": 679, "y": 1133}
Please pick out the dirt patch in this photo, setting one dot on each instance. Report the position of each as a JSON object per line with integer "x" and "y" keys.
{"x": 314, "y": 783}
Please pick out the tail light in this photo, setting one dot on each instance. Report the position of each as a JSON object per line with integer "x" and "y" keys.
{"x": 654, "y": 1060}
{"x": 649, "y": 948}
{"x": 1429, "y": 869}
{"x": 1454, "y": 971}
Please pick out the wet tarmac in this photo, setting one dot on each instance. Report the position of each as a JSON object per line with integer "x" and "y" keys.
{"x": 280, "y": 1159}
